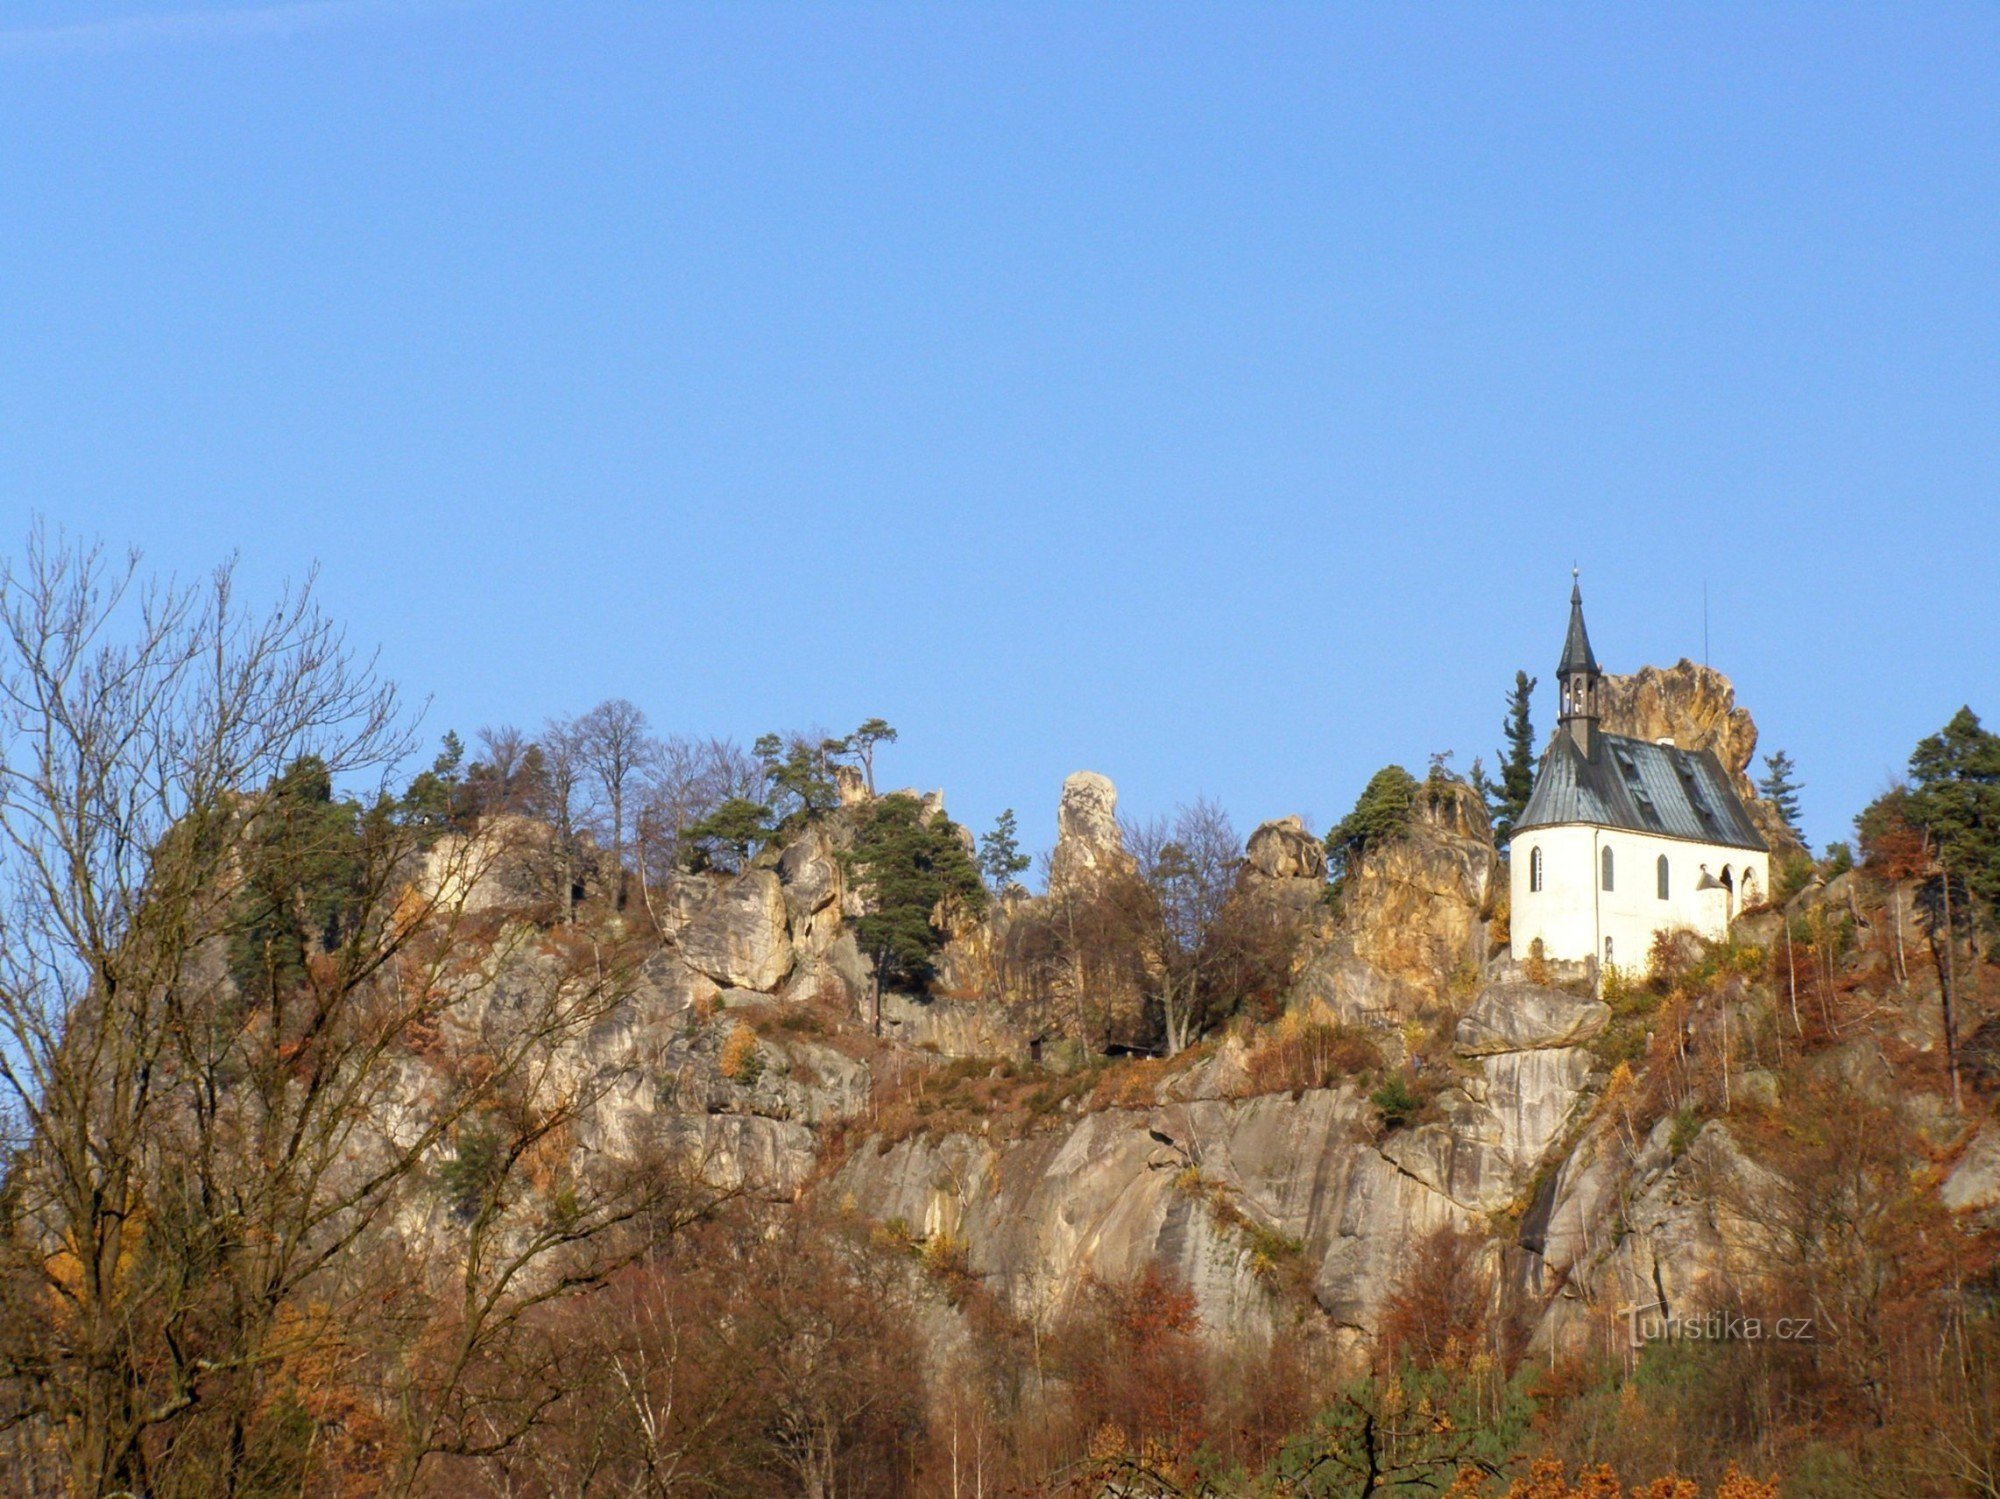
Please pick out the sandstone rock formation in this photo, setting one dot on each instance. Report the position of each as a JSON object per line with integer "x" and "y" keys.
{"x": 1414, "y": 913}
{"x": 1088, "y": 841}
{"x": 1526, "y": 1017}
{"x": 739, "y": 936}
{"x": 1282, "y": 849}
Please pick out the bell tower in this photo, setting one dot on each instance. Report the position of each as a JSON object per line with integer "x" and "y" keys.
{"x": 1578, "y": 678}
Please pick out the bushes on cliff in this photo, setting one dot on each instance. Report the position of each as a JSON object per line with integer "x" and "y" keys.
{"x": 1382, "y": 811}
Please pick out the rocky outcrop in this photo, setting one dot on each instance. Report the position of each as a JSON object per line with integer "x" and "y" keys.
{"x": 739, "y": 937}
{"x": 1413, "y": 913}
{"x": 1417, "y": 906}
{"x": 1526, "y": 1017}
{"x": 506, "y": 862}
{"x": 1695, "y": 706}
{"x": 1974, "y": 1183}
{"x": 1283, "y": 850}
{"x": 1088, "y": 841}
{"x": 810, "y": 877}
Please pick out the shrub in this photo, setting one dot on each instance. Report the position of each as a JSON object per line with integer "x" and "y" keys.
{"x": 473, "y": 1171}
{"x": 741, "y": 1061}
{"x": 1687, "y": 1124}
{"x": 1536, "y": 969}
{"x": 1397, "y": 1101}
{"x": 1310, "y": 1054}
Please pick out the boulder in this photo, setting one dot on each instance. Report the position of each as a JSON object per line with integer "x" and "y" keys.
{"x": 738, "y": 938}
{"x": 1974, "y": 1183}
{"x": 1527, "y": 1017}
{"x": 1282, "y": 849}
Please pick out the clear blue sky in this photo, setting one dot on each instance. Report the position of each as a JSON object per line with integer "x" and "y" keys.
{"x": 1215, "y": 396}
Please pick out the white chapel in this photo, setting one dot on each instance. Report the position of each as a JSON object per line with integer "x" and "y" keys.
{"x": 1625, "y": 838}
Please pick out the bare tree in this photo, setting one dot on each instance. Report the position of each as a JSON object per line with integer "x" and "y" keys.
{"x": 1189, "y": 866}
{"x": 686, "y": 780}
{"x": 562, "y": 801}
{"x": 239, "y": 1020}
{"x": 505, "y": 776}
{"x": 617, "y": 749}
{"x": 137, "y": 720}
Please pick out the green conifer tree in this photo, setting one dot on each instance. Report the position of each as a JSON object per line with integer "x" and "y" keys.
{"x": 1517, "y": 759}
{"x": 1779, "y": 789}
{"x": 1000, "y": 856}
{"x": 1955, "y": 797}
{"x": 1382, "y": 811}
{"x": 726, "y": 838}
{"x": 914, "y": 873}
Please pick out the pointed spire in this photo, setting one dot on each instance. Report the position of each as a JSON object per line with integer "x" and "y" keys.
{"x": 1577, "y": 655}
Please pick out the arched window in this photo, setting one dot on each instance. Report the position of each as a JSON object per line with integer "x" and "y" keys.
{"x": 1607, "y": 952}
{"x": 1535, "y": 868}
{"x": 1605, "y": 860}
{"x": 1665, "y": 887}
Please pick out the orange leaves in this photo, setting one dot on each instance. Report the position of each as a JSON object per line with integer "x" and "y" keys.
{"x": 740, "y": 1062}
{"x": 1548, "y": 1478}
{"x": 1135, "y": 1363}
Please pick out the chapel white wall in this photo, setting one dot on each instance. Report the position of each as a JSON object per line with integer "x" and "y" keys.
{"x": 1573, "y": 915}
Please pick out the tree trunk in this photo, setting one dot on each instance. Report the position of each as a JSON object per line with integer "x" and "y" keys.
{"x": 1949, "y": 975}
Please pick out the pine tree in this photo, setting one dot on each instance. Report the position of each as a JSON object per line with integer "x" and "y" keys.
{"x": 1517, "y": 759}
{"x": 1955, "y": 797}
{"x": 914, "y": 872}
{"x": 1779, "y": 789}
{"x": 727, "y": 837}
{"x": 1000, "y": 856}
{"x": 862, "y": 743}
{"x": 1381, "y": 812}
{"x": 435, "y": 799}
{"x": 799, "y": 773}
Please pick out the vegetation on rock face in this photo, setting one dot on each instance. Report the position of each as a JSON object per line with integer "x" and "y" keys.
{"x": 1509, "y": 799}
{"x": 1381, "y": 812}
{"x": 918, "y": 881}
{"x": 1780, "y": 789}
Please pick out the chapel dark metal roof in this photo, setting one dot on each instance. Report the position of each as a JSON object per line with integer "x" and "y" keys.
{"x": 1577, "y": 655}
{"x": 1643, "y": 788}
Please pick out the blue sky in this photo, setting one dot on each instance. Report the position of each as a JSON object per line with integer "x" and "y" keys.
{"x": 1213, "y": 396}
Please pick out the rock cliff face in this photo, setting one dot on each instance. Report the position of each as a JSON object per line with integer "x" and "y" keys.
{"x": 1239, "y": 1195}
{"x": 1268, "y": 1198}
{"x": 1414, "y": 915}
